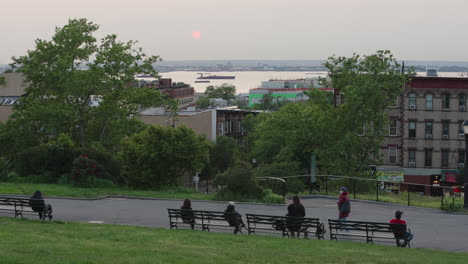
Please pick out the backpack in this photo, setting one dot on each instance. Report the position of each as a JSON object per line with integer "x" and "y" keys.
{"x": 278, "y": 225}
{"x": 345, "y": 207}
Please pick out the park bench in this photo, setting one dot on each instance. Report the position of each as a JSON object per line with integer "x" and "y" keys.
{"x": 19, "y": 206}
{"x": 207, "y": 220}
{"x": 271, "y": 224}
{"x": 369, "y": 230}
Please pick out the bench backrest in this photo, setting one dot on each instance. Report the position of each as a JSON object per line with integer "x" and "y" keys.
{"x": 367, "y": 226}
{"x": 184, "y": 213}
{"x": 287, "y": 220}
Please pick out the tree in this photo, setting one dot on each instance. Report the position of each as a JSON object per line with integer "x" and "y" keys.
{"x": 224, "y": 91}
{"x": 73, "y": 71}
{"x": 203, "y": 102}
{"x": 238, "y": 181}
{"x": 2, "y": 80}
{"x": 223, "y": 155}
{"x": 159, "y": 156}
{"x": 343, "y": 137}
{"x": 268, "y": 102}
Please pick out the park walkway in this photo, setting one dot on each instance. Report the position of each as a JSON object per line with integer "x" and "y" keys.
{"x": 433, "y": 228}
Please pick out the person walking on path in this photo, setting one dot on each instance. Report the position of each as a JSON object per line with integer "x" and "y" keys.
{"x": 38, "y": 205}
{"x": 187, "y": 213}
{"x": 233, "y": 217}
{"x": 344, "y": 205}
{"x": 296, "y": 209}
{"x": 400, "y": 234}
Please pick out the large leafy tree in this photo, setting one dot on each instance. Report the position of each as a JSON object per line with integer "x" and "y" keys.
{"x": 79, "y": 86}
{"x": 159, "y": 156}
{"x": 224, "y": 91}
{"x": 343, "y": 137}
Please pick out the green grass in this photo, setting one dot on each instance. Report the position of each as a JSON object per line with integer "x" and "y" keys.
{"x": 25, "y": 241}
{"x": 71, "y": 191}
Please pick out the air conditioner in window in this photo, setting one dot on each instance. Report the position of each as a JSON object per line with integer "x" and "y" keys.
{"x": 412, "y": 107}
{"x": 461, "y": 165}
{"x": 462, "y": 108}
{"x": 445, "y": 136}
{"x": 429, "y": 136}
{"x": 461, "y": 136}
{"x": 411, "y": 164}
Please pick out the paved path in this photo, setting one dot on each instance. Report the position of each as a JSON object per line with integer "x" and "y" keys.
{"x": 434, "y": 229}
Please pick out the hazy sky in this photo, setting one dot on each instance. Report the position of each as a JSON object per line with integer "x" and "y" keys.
{"x": 252, "y": 29}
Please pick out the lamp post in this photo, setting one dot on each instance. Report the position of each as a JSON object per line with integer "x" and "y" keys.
{"x": 465, "y": 185}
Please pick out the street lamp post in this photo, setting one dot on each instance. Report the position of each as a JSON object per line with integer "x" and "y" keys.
{"x": 465, "y": 185}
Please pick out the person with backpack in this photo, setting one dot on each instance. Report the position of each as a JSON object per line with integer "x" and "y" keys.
{"x": 295, "y": 210}
{"x": 38, "y": 205}
{"x": 233, "y": 217}
{"x": 187, "y": 213}
{"x": 344, "y": 205}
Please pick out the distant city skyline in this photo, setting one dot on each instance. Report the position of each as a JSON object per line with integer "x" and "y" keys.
{"x": 429, "y": 30}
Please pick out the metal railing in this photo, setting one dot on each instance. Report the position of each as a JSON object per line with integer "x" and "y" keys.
{"x": 372, "y": 189}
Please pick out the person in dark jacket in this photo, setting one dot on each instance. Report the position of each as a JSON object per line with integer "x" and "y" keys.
{"x": 38, "y": 205}
{"x": 296, "y": 209}
{"x": 233, "y": 217}
{"x": 344, "y": 205}
{"x": 187, "y": 213}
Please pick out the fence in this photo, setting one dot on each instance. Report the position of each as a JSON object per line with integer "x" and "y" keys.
{"x": 370, "y": 189}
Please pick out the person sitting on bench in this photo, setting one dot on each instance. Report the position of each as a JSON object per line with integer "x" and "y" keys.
{"x": 295, "y": 210}
{"x": 187, "y": 213}
{"x": 233, "y": 217}
{"x": 403, "y": 235}
{"x": 38, "y": 205}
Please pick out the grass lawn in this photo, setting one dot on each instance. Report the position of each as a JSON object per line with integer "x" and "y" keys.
{"x": 25, "y": 241}
{"x": 71, "y": 191}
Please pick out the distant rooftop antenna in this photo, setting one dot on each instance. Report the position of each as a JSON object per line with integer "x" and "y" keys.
{"x": 431, "y": 71}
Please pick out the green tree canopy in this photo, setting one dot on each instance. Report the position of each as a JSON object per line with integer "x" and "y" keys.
{"x": 224, "y": 91}
{"x": 345, "y": 138}
{"x": 159, "y": 156}
{"x": 79, "y": 86}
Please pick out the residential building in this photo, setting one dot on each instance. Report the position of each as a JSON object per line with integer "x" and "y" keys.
{"x": 182, "y": 92}
{"x": 10, "y": 93}
{"x": 211, "y": 122}
{"x": 425, "y": 135}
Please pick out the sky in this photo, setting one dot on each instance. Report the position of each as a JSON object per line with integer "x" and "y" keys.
{"x": 252, "y": 29}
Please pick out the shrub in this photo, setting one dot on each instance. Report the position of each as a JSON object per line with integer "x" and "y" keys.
{"x": 239, "y": 180}
{"x": 85, "y": 172}
{"x": 270, "y": 197}
{"x": 44, "y": 158}
{"x": 159, "y": 156}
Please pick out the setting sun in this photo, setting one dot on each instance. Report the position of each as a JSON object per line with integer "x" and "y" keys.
{"x": 196, "y": 34}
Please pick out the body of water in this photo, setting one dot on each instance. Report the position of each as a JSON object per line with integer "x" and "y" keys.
{"x": 246, "y": 80}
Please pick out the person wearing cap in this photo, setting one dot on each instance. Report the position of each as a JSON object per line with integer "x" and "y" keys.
{"x": 344, "y": 205}
{"x": 233, "y": 217}
{"x": 406, "y": 236}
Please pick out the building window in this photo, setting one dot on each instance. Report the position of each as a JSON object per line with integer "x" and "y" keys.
{"x": 461, "y": 157}
{"x": 412, "y": 129}
{"x": 428, "y": 157}
{"x": 444, "y": 159}
{"x": 411, "y": 158}
{"x": 445, "y": 129}
{"x": 461, "y": 134}
{"x": 238, "y": 128}
{"x": 393, "y": 127}
{"x": 446, "y": 101}
{"x": 392, "y": 155}
{"x": 226, "y": 127}
{"x": 462, "y": 102}
{"x": 429, "y": 102}
{"x": 412, "y": 100}
{"x": 220, "y": 128}
{"x": 342, "y": 99}
{"x": 428, "y": 129}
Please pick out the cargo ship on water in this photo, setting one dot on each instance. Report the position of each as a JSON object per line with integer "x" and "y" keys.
{"x": 215, "y": 77}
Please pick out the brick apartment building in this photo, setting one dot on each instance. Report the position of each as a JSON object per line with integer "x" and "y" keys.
{"x": 425, "y": 137}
